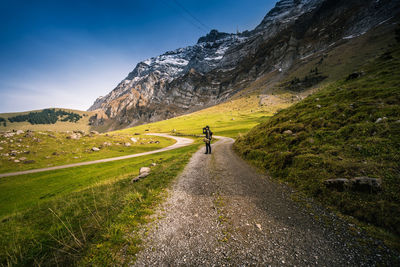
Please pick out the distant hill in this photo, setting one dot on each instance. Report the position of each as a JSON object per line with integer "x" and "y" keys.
{"x": 52, "y": 119}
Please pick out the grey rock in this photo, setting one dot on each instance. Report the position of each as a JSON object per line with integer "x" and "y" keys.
{"x": 144, "y": 170}
{"x": 366, "y": 184}
{"x": 95, "y": 149}
{"x": 127, "y": 144}
{"x": 288, "y": 132}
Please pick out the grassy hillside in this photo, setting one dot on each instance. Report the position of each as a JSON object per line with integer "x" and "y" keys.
{"x": 82, "y": 124}
{"x": 32, "y": 150}
{"x": 231, "y": 118}
{"x": 347, "y": 129}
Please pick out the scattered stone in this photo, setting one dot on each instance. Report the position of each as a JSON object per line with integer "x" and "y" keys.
{"x": 94, "y": 132}
{"x": 8, "y": 135}
{"x": 153, "y": 164}
{"x": 52, "y": 136}
{"x": 22, "y": 159}
{"x": 74, "y": 136}
{"x": 288, "y": 132}
{"x": 29, "y": 134}
{"x": 259, "y": 226}
{"x": 55, "y": 153}
{"x": 105, "y": 144}
{"x": 127, "y": 144}
{"x": 311, "y": 140}
{"x": 95, "y": 149}
{"x": 319, "y": 106}
{"x": 16, "y": 161}
{"x": 157, "y": 142}
{"x": 144, "y": 170}
{"x": 1, "y": 148}
{"x": 380, "y": 120}
{"x": 30, "y": 161}
{"x": 137, "y": 133}
{"x": 47, "y": 157}
{"x": 19, "y": 132}
{"x": 133, "y": 139}
{"x": 79, "y": 132}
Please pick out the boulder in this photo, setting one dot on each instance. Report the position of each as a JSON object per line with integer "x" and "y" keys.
{"x": 127, "y": 144}
{"x": 339, "y": 184}
{"x": 288, "y": 132}
{"x": 144, "y": 170}
{"x": 380, "y": 120}
{"x": 74, "y": 136}
{"x": 19, "y": 132}
{"x": 95, "y": 149}
{"x": 134, "y": 140}
{"x": 366, "y": 184}
{"x": 359, "y": 184}
{"x": 17, "y": 161}
{"x": 105, "y": 144}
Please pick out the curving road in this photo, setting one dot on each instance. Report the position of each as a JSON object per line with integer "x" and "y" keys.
{"x": 180, "y": 142}
{"x": 222, "y": 212}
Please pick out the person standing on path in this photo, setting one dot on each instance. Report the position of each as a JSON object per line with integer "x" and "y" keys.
{"x": 207, "y": 139}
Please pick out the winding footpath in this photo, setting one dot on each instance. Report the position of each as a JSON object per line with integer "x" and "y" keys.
{"x": 222, "y": 212}
{"x": 180, "y": 142}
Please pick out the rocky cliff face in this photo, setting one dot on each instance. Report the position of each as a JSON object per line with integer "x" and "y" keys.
{"x": 221, "y": 64}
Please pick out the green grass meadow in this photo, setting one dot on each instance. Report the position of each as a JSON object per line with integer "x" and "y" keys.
{"x": 82, "y": 215}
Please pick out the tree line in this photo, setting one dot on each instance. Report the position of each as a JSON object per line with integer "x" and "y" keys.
{"x": 46, "y": 116}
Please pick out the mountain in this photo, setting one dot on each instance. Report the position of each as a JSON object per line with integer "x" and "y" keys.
{"x": 222, "y": 64}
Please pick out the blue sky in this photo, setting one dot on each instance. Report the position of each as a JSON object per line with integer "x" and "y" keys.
{"x": 56, "y": 53}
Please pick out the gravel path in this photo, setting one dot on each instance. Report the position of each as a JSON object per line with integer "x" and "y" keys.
{"x": 220, "y": 211}
{"x": 180, "y": 142}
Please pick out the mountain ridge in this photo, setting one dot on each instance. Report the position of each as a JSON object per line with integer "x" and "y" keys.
{"x": 221, "y": 64}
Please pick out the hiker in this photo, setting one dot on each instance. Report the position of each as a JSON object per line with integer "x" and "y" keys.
{"x": 207, "y": 139}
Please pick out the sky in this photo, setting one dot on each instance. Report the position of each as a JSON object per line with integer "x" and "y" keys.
{"x": 66, "y": 53}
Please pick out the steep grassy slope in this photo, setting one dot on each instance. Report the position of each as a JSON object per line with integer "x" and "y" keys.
{"x": 347, "y": 129}
{"x": 82, "y": 124}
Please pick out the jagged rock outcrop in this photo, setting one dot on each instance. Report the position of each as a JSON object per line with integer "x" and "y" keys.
{"x": 221, "y": 64}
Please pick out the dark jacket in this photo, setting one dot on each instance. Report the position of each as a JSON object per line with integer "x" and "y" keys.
{"x": 208, "y": 133}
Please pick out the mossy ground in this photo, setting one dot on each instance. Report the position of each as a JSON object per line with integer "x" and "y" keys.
{"x": 336, "y": 135}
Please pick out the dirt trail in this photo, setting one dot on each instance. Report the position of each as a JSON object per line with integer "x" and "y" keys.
{"x": 222, "y": 212}
{"x": 180, "y": 142}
